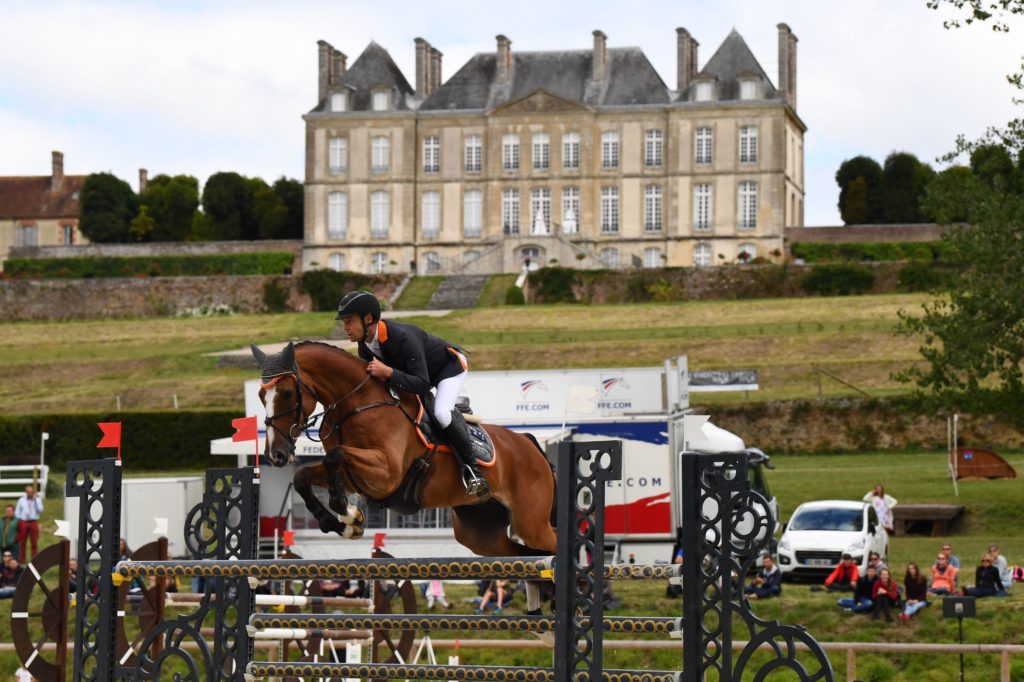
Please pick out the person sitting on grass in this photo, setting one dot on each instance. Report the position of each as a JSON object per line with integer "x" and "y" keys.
{"x": 875, "y": 560}
{"x": 999, "y": 561}
{"x": 987, "y": 582}
{"x": 885, "y": 594}
{"x": 844, "y": 577}
{"x": 9, "y": 577}
{"x": 767, "y": 582}
{"x": 861, "y": 601}
{"x": 943, "y": 577}
{"x": 495, "y": 591}
{"x": 917, "y": 591}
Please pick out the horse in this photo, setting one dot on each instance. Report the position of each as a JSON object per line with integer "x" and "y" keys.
{"x": 371, "y": 441}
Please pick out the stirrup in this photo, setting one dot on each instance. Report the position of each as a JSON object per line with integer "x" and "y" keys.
{"x": 474, "y": 483}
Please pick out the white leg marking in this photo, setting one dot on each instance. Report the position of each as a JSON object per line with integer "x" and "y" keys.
{"x": 268, "y": 403}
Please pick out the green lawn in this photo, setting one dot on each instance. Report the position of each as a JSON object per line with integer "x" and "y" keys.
{"x": 417, "y": 293}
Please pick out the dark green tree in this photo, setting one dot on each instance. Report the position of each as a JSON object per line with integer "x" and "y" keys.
{"x": 904, "y": 179}
{"x": 270, "y": 212}
{"x": 142, "y": 225}
{"x": 228, "y": 205}
{"x": 993, "y": 165}
{"x": 856, "y": 209}
{"x": 108, "y": 206}
{"x": 172, "y": 201}
{"x": 293, "y": 194}
{"x": 870, "y": 172}
{"x": 947, "y": 196}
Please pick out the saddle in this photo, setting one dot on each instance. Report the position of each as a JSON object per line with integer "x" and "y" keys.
{"x": 431, "y": 434}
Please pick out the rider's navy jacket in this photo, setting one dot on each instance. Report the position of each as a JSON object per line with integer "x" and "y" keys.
{"x": 419, "y": 360}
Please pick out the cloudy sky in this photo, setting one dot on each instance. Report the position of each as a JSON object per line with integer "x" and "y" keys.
{"x": 199, "y": 87}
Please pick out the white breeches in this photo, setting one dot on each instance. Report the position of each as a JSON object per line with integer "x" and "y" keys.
{"x": 448, "y": 391}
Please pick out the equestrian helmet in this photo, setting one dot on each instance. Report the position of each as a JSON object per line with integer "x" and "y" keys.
{"x": 358, "y": 303}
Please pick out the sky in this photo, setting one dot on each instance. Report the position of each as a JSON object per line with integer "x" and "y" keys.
{"x": 200, "y": 87}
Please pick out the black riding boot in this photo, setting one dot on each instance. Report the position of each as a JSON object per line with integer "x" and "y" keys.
{"x": 458, "y": 437}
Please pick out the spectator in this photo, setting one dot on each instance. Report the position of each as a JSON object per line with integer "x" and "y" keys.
{"x": 767, "y": 582}
{"x": 671, "y": 590}
{"x": 986, "y": 580}
{"x": 883, "y": 505}
{"x": 844, "y": 577}
{"x": 124, "y": 552}
{"x": 330, "y": 588}
{"x": 875, "y": 560}
{"x": 9, "y": 531}
{"x": 495, "y": 591}
{"x": 72, "y": 576}
{"x": 999, "y": 561}
{"x": 9, "y": 577}
{"x": 885, "y": 594}
{"x": 943, "y": 577}
{"x": 917, "y": 591}
{"x": 954, "y": 561}
{"x": 28, "y": 510}
{"x": 435, "y": 592}
{"x": 354, "y": 589}
{"x": 862, "y": 600}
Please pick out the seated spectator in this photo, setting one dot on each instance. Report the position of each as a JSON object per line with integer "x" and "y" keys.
{"x": 875, "y": 560}
{"x": 885, "y": 594}
{"x": 767, "y": 582}
{"x": 917, "y": 591}
{"x": 861, "y": 601}
{"x": 330, "y": 588}
{"x": 9, "y": 577}
{"x": 353, "y": 589}
{"x": 435, "y": 592}
{"x": 844, "y": 577}
{"x": 672, "y": 590}
{"x": 495, "y": 591}
{"x": 943, "y": 577}
{"x": 953, "y": 560}
{"x": 987, "y": 582}
{"x": 999, "y": 561}
{"x": 72, "y": 576}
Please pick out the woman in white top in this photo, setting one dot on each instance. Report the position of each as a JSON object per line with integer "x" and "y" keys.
{"x": 883, "y": 505}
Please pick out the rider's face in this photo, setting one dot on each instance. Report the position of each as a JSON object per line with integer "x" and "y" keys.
{"x": 353, "y": 329}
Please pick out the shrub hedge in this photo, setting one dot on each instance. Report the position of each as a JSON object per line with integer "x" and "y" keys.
{"x": 554, "y": 284}
{"x": 94, "y": 267}
{"x": 839, "y": 280}
{"x": 150, "y": 441}
{"x": 856, "y": 252}
{"x": 326, "y": 287}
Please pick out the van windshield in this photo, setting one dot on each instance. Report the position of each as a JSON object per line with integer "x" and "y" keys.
{"x": 828, "y": 519}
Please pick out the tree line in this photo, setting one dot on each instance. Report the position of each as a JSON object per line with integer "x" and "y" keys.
{"x": 171, "y": 209}
{"x": 898, "y": 190}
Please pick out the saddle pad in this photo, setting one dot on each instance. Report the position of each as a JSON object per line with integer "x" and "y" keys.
{"x": 483, "y": 446}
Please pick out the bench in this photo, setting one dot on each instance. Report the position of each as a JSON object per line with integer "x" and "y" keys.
{"x": 937, "y": 518}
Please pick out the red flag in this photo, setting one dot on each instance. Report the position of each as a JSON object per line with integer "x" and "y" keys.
{"x": 378, "y": 540}
{"x": 289, "y": 538}
{"x": 111, "y": 436}
{"x": 245, "y": 429}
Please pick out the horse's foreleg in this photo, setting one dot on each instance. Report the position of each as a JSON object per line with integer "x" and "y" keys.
{"x": 304, "y": 479}
{"x": 349, "y": 514}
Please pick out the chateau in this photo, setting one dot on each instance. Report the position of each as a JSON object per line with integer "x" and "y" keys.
{"x": 583, "y": 158}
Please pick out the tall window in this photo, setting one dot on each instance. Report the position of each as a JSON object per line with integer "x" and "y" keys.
{"x": 652, "y": 257}
{"x": 609, "y": 210}
{"x": 702, "y": 145}
{"x": 610, "y": 256}
{"x": 339, "y": 101}
{"x": 510, "y": 211}
{"x": 337, "y": 157}
{"x": 652, "y": 149}
{"x": 748, "y": 144}
{"x": 337, "y": 215}
{"x": 610, "y": 149}
{"x": 380, "y": 215}
{"x": 432, "y": 261}
{"x": 702, "y": 214}
{"x": 570, "y": 210}
{"x": 381, "y": 101}
{"x": 540, "y": 210}
{"x": 702, "y": 255}
{"x": 541, "y": 151}
{"x": 571, "y": 150}
{"x": 652, "y": 208}
{"x": 29, "y": 235}
{"x": 747, "y": 252}
{"x": 431, "y": 215}
{"x": 67, "y": 235}
{"x": 748, "y": 88}
{"x": 704, "y": 92}
{"x": 510, "y": 152}
{"x": 378, "y": 263}
{"x": 380, "y": 154}
{"x": 472, "y": 213}
{"x": 474, "y": 153}
{"x": 748, "y": 205}
{"x": 336, "y": 262}
{"x": 431, "y": 154}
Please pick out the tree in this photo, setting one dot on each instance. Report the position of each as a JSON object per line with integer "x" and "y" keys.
{"x": 870, "y": 172}
{"x": 108, "y": 206}
{"x": 172, "y": 202}
{"x": 904, "y": 180}
{"x": 226, "y": 202}
{"x": 142, "y": 224}
{"x": 856, "y": 210}
{"x": 293, "y": 194}
{"x": 270, "y": 213}
{"x": 947, "y": 196}
{"x": 992, "y": 164}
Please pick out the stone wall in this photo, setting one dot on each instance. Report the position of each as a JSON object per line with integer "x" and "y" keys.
{"x": 845, "y": 234}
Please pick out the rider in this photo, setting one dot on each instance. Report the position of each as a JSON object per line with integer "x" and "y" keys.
{"x": 406, "y": 357}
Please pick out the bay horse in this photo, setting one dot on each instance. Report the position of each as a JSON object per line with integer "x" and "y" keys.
{"x": 371, "y": 442}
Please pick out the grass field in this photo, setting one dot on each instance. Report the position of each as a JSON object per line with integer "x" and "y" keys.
{"x": 992, "y": 516}
{"x": 84, "y": 366}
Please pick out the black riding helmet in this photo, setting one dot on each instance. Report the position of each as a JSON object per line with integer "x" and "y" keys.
{"x": 361, "y": 304}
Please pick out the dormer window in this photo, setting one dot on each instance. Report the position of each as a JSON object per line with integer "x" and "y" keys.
{"x": 748, "y": 88}
{"x": 381, "y": 101}
{"x": 339, "y": 101}
{"x": 704, "y": 91}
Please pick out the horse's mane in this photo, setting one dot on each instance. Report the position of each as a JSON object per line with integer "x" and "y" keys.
{"x": 327, "y": 346}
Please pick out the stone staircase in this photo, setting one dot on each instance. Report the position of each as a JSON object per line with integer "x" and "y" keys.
{"x": 458, "y": 291}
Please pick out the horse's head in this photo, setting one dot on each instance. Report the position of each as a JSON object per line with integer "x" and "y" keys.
{"x": 285, "y": 402}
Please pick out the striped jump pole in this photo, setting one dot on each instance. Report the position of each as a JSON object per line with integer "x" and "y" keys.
{"x": 430, "y": 622}
{"x": 489, "y": 673}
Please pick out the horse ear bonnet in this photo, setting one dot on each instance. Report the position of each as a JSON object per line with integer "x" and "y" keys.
{"x": 279, "y": 363}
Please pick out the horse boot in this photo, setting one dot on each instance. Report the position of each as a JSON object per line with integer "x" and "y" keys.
{"x": 457, "y": 434}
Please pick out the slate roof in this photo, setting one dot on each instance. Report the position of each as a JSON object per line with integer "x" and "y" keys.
{"x": 372, "y": 70}
{"x": 26, "y": 197}
{"x": 631, "y": 79}
{"x": 732, "y": 61}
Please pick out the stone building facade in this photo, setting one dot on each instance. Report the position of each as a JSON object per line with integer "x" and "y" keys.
{"x": 585, "y": 158}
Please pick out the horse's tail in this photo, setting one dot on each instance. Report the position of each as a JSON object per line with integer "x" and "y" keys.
{"x": 554, "y": 475}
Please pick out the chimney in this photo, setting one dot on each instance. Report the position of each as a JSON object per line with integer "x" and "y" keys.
{"x": 435, "y": 68}
{"x": 339, "y": 62}
{"x": 324, "y": 73}
{"x": 504, "y": 59}
{"x": 599, "y": 61}
{"x": 143, "y": 179}
{"x": 686, "y": 51}
{"x": 787, "y": 64}
{"x": 57, "y": 178}
{"x": 422, "y": 68}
